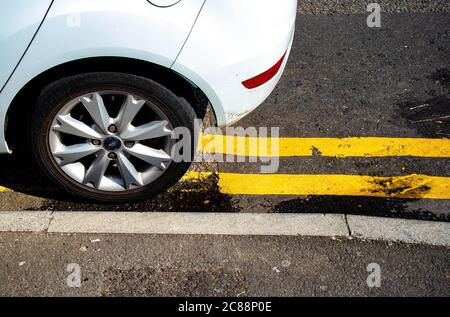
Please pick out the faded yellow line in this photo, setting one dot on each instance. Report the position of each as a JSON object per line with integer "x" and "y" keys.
{"x": 410, "y": 186}
{"x": 335, "y": 147}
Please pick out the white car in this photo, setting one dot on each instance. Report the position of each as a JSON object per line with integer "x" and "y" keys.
{"x": 97, "y": 86}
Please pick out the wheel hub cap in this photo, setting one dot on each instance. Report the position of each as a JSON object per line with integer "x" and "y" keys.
{"x": 112, "y": 143}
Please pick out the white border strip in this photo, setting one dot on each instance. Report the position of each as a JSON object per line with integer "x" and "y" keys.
{"x": 330, "y": 225}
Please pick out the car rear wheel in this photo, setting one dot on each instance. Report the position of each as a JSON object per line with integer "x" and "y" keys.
{"x": 109, "y": 136}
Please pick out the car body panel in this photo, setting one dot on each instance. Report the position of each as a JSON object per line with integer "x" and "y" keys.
{"x": 17, "y": 30}
{"x": 233, "y": 41}
{"x": 215, "y": 44}
{"x": 74, "y": 30}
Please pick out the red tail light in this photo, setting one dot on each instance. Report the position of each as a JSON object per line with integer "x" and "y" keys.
{"x": 264, "y": 77}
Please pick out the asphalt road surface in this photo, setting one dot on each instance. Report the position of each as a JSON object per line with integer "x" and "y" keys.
{"x": 343, "y": 79}
{"x": 159, "y": 265}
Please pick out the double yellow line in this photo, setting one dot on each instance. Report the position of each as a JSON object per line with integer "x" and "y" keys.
{"x": 410, "y": 186}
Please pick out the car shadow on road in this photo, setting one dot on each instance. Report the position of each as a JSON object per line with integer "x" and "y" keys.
{"x": 21, "y": 174}
{"x": 363, "y": 206}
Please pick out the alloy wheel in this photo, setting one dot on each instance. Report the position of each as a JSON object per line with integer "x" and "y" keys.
{"x": 111, "y": 140}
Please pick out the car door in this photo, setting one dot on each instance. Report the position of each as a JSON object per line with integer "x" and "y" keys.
{"x": 19, "y": 21}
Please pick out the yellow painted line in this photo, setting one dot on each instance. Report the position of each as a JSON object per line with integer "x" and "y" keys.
{"x": 4, "y": 189}
{"x": 410, "y": 186}
{"x": 335, "y": 147}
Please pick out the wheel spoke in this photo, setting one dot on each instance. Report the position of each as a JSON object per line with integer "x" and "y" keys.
{"x": 96, "y": 108}
{"x": 72, "y": 126}
{"x": 128, "y": 112}
{"x": 129, "y": 174}
{"x": 152, "y": 130}
{"x": 97, "y": 169}
{"x": 73, "y": 153}
{"x": 157, "y": 158}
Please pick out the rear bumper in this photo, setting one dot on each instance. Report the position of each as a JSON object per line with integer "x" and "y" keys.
{"x": 232, "y": 42}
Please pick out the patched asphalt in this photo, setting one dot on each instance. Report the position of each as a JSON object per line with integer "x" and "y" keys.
{"x": 343, "y": 79}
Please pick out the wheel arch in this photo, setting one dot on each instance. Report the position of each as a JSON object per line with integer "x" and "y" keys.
{"x": 25, "y": 99}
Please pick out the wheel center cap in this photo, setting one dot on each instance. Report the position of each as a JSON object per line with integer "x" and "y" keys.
{"x": 112, "y": 143}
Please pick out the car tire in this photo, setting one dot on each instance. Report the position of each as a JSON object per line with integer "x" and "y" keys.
{"x": 54, "y": 97}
